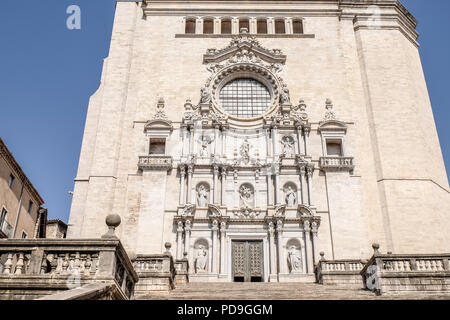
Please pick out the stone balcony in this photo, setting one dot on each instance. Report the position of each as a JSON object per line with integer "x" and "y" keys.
{"x": 344, "y": 273}
{"x": 155, "y": 162}
{"x": 336, "y": 163}
{"x": 397, "y": 273}
{"x": 73, "y": 268}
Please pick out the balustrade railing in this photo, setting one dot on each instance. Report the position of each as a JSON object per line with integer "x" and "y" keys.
{"x": 155, "y": 162}
{"x": 343, "y": 163}
{"x": 89, "y": 259}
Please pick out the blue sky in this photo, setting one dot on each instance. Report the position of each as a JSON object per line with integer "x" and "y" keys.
{"x": 48, "y": 73}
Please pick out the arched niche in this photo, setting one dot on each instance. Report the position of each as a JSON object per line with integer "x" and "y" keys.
{"x": 294, "y": 256}
{"x": 203, "y": 194}
{"x": 246, "y": 195}
{"x": 201, "y": 255}
{"x": 290, "y": 194}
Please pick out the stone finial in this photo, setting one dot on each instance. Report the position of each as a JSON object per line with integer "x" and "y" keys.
{"x": 112, "y": 221}
{"x": 243, "y": 30}
{"x": 168, "y": 245}
{"x": 375, "y": 247}
{"x": 322, "y": 256}
{"x": 329, "y": 114}
{"x": 302, "y": 105}
{"x": 188, "y": 105}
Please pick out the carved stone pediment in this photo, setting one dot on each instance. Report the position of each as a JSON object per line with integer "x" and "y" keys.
{"x": 244, "y": 48}
{"x": 305, "y": 210}
{"x": 214, "y": 210}
{"x": 158, "y": 125}
{"x": 332, "y": 125}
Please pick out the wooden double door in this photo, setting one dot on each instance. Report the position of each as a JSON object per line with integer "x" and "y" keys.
{"x": 247, "y": 259}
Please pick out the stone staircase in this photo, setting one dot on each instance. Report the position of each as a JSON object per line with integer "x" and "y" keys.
{"x": 276, "y": 291}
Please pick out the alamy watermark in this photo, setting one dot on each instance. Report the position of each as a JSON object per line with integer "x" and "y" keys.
{"x": 73, "y": 21}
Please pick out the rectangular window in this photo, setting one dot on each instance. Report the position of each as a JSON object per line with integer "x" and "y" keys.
{"x": 3, "y": 217}
{"x": 24, "y": 235}
{"x": 279, "y": 26}
{"x": 30, "y": 206}
{"x": 208, "y": 26}
{"x": 262, "y": 26}
{"x": 158, "y": 146}
{"x": 11, "y": 180}
{"x": 226, "y": 27}
{"x": 334, "y": 148}
{"x": 190, "y": 26}
{"x": 297, "y": 26}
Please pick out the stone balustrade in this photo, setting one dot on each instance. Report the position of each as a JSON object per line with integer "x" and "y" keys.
{"x": 407, "y": 272}
{"x": 53, "y": 265}
{"x": 156, "y": 273}
{"x": 155, "y": 162}
{"x": 339, "y": 272}
{"x": 336, "y": 163}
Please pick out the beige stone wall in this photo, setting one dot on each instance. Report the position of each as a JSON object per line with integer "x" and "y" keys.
{"x": 373, "y": 77}
{"x": 10, "y": 198}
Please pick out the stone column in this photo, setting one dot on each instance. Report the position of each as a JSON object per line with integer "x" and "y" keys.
{"x": 217, "y": 25}
{"x": 215, "y": 228}
{"x": 302, "y": 178}
{"x": 269, "y": 190}
{"x": 216, "y": 140}
{"x": 216, "y": 184}
{"x": 199, "y": 26}
{"x": 180, "y": 230}
{"x": 224, "y": 186}
{"x": 281, "y": 260}
{"x": 224, "y": 141}
{"x": 314, "y": 231}
{"x": 182, "y": 185}
{"x": 270, "y": 26}
{"x": 306, "y": 131}
{"x": 187, "y": 238}
{"x": 272, "y": 253}
{"x": 309, "y": 174}
{"x": 277, "y": 185}
{"x": 252, "y": 26}
{"x": 191, "y": 139}
{"x": 236, "y": 191}
{"x": 275, "y": 140}
{"x": 256, "y": 188}
{"x": 309, "y": 253}
{"x": 223, "y": 252}
{"x": 269, "y": 149}
{"x": 185, "y": 149}
{"x": 189, "y": 184}
{"x": 234, "y": 26}
{"x": 299, "y": 139}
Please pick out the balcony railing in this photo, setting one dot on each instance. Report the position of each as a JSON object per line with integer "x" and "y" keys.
{"x": 155, "y": 162}
{"x": 57, "y": 264}
{"x": 336, "y": 163}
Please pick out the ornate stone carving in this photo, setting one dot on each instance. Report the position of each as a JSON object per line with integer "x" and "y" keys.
{"x": 160, "y": 113}
{"x": 246, "y": 195}
{"x": 245, "y": 151}
{"x": 202, "y": 196}
{"x": 294, "y": 260}
{"x": 280, "y": 210}
{"x": 201, "y": 259}
{"x": 188, "y": 210}
{"x": 204, "y": 142}
{"x": 288, "y": 146}
{"x": 329, "y": 114}
{"x": 214, "y": 210}
{"x": 290, "y": 195}
{"x": 205, "y": 96}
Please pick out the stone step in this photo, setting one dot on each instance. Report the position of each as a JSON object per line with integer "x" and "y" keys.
{"x": 278, "y": 291}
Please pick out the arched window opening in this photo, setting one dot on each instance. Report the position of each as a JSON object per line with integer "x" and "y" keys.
{"x": 208, "y": 26}
{"x": 226, "y": 26}
{"x": 190, "y": 26}
{"x": 243, "y": 23}
{"x": 262, "y": 26}
{"x": 297, "y": 26}
{"x": 279, "y": 26}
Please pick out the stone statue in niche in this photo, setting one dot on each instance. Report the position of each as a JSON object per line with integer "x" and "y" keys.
{"x": 200, "y": 261}
{"x": 202, "y": 196}
{"x": 205, "y": 141}
{"x": 246, "y": 195}
{"x": 288, "y": 146}
{"x": 294, "y": 260}
{"x": 245, "y": 151}
{"x": 291, "y": 196}
{"x": 285, "y": 97}
{"x": 205, "y": 96}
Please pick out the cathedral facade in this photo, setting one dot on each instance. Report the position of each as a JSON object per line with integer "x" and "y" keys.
{"x": 254, "y": 135}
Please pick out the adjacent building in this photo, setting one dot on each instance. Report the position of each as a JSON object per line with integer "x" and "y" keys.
{"x": 21, "y": 213}
{"x": 253, "y": 135}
